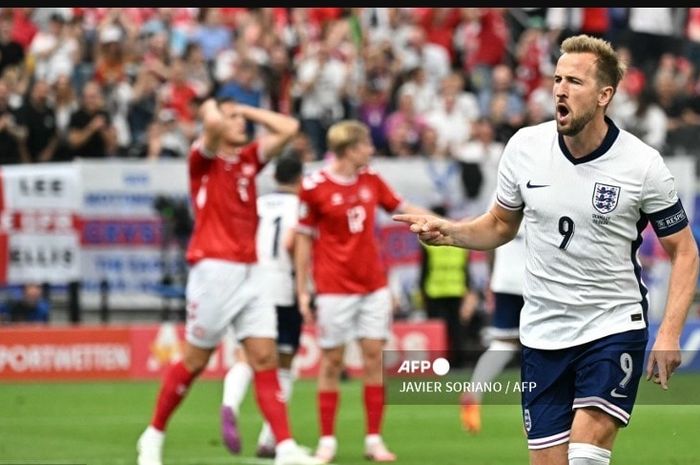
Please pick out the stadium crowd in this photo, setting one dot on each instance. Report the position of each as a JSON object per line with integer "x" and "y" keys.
{"x": 443, "y": 82}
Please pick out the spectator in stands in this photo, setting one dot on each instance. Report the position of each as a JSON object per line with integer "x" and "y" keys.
{"x": 418, "y": 52}
{"x": 196, "y": 69}
{"x": 30, "y": 307}
{"x": 373, "y": 111}
{"x": 39, "y": 121}
{"x": 178, "y": 93}
{"x": 423, "y": 93}
{"x": 109, "y": 62}
{"x": 244, "y": 87}
{"x": 644, "y": 118}
{"x": 210, "y": 34}
{"x": 90, "y": 130}
{"x": 142, "y": 109}
{"x": 321, "y": 84}
{"x": 11, "y": 51}
{"x": 502, "y": 82}
{"x": 166, "y": 139}
{"x": 12, "y": 135}
{"x": 404, "y": 127}
{"x": 653, "y": 32}
{"x": 44, "y": 45}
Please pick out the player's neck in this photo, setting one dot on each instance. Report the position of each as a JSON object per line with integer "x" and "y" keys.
{"x": 589, "y": 139}
{"x": 287, "y": 189}
{"x": 343, "y": 168}
{"x": 227, "y": 150}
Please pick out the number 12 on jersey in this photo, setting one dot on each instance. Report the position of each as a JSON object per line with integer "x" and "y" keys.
{"x": 356, "y": 219}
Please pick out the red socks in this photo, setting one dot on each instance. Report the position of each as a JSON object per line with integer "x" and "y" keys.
{"x": 271, "y": 403}
{"x": 327, "y": 408}
{"x": 374, "y": 407}
{"x": 175, "y": 385}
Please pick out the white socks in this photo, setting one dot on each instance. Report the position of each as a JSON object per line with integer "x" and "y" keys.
{"x": 492, "y": 362}
{"x": 236, "y": 384}
{"x": 588, "y": 454}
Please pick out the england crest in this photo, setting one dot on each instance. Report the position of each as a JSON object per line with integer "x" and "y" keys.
{"x": 605, "y": 197}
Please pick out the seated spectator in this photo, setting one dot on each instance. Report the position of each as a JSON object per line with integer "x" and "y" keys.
{"x": 40, "y": 122}
{"x": 30, "y": 307}
{"x": 503, "y": 83}
{"x": 404, "y": 127}
{"x": 91, "y": 133}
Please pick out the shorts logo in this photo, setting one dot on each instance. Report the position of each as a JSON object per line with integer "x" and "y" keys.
{"x": 614, "y": 393}
{"x": 527, "y": 420}
{"x": 605, "y": 197}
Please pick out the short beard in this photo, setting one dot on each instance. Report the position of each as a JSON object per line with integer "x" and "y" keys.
{"x": 577, "y": 124}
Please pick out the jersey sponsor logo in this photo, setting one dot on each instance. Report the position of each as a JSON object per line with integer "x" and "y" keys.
{"x": 527, "y": 420}
{"x": 535, "y": 186}
{"x": 605, "y": 197}
{"x": 616, "y": 394}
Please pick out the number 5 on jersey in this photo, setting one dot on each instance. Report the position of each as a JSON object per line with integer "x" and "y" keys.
{"x": 356, "y": 219}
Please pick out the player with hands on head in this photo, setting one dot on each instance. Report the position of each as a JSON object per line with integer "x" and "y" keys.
{"x": 224, "y": 282}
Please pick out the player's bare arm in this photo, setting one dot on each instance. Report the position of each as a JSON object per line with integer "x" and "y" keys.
{"x": 302, "y": 266}
{"x": 665, "y": 356}
{"x": 280, "y": 128}
{"x": 213, "y": 125}
{"x": 490, "y": 230}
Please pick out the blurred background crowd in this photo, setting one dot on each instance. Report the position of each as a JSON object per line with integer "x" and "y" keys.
{"x": 439, "y": 82}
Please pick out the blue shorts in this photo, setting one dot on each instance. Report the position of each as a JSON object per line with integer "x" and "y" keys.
{"x": 603, "y": 373}
{"x": 289, "y": 322}
{"x": 506, "y": 315}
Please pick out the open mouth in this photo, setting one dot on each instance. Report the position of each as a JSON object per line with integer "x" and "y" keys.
{"x": 562, "y": 112}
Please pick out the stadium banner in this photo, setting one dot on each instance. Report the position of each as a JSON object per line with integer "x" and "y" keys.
{"x": 98, "y": 220}
{"x": 40, "y": 223}
{"x": 122, "y": 237}
{"x": 31, "y": 352}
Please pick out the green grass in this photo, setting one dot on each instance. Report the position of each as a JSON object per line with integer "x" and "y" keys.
{"x": 98, "y": 424}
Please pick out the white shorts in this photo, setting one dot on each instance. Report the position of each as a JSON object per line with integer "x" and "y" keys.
{"x": 344, "y": 317}
{"x": 222, "y": 293}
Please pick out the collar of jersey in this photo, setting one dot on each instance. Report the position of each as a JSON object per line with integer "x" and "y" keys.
{"x": 602, "y": 149}
{"x": 342, "y": 180}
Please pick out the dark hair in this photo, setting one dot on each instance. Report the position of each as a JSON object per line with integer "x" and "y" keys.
{"x": 288, "y": 169}
{"x": 226, "y": 99}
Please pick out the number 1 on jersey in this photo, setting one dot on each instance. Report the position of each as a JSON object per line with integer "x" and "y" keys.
{"x": 566, "y": 229}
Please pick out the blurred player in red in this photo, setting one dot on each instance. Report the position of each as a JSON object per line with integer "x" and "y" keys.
{"x": 224, "y": 282}
{"x": 336, "y": 227}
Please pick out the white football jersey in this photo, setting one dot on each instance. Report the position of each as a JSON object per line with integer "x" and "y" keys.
{"x": 278, "y": 213}
{"x": 583, "y": 220}
{"x": 508, "y": 273}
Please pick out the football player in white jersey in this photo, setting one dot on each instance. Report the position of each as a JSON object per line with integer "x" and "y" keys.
{"x": 585, "y": 190}
{"x": 277, "y": 213}
{"x": 506, "y": 283}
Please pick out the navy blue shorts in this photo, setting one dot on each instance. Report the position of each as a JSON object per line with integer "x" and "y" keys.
{"x": 288, "y": 329}
{"x": 506, "y": 315}
{"x": 604, "y": 373}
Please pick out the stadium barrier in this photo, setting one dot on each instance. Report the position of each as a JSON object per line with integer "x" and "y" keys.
{"x": 39, "y": 353}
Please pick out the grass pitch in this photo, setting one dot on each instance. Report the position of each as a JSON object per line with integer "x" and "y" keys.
{"x": 97, "y": 423}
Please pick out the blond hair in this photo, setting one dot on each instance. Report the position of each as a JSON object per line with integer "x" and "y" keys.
{"x": 345, "y": 134}
{"x": 610, "y": 67}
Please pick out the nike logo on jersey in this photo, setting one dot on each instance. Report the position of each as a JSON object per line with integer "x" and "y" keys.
{"x": 615, "y": 394}
{"x": 535, "y": 186}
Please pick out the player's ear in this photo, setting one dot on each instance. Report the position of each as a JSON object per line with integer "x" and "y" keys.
{"x": 605, "y": 96}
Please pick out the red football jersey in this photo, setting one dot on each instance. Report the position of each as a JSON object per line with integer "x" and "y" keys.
{"x": 340, "y": 214}
{"x": 223, "y": 198}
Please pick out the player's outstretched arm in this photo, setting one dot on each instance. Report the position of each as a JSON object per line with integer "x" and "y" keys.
{"x": 280, "y": 129}
{"x": 665, "y": 356}
{"x": 490, "y": 230}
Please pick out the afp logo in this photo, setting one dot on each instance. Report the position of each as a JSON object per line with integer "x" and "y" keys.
{"x": 440, "y": 366}
{"x": 605, "y": 197}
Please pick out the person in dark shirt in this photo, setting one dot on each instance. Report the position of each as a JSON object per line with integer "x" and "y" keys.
{"x": 12, "y": 135}
{"x": 40, "y": 123}
{"x": 90, "y": 130}
{"x": 32, "y": 306}
{"x": 11, "y": 52}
